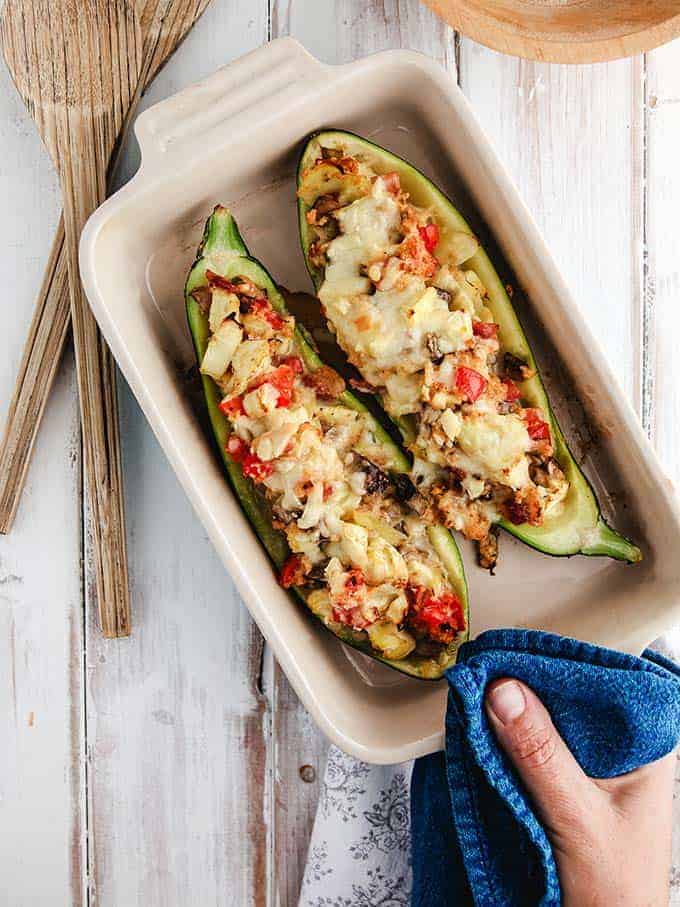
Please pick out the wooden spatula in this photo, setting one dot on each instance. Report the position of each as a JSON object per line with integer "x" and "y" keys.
{"x": 164, "y": 25}
{"x": 76, "y": 64}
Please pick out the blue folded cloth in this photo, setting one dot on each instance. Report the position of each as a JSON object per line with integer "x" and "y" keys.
{"x": 475, "y": 836}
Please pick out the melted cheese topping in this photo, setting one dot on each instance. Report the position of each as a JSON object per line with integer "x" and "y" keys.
{"x": 494, "y": 446}
{"x": 385, "y": 330}
{"x": 407, "y": 323}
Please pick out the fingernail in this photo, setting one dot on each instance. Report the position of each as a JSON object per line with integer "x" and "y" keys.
{"x": 507, "y": 701}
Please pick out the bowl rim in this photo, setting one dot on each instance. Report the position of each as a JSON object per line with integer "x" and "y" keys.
{"x": 497, "y": 35}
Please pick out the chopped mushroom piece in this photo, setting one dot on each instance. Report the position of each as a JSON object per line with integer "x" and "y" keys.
{"x": 487, "y": 550}
{"x": 516, "y": 368}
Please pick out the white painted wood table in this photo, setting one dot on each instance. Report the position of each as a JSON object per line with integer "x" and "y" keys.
{"x": 165, "y": 769}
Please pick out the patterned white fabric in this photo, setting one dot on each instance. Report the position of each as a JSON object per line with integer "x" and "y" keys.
{"x": 359, "y": 853}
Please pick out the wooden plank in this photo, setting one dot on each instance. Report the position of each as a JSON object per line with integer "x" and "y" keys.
{"x": 178, "y": 727}
{"x": 42, "y": 792}
{"x": 661, "y": 318}
{"x": 571, "y": 137}
{"x": 335, "y": 33}
{"x": 662, "y": 256}
{"x": 346, "y": 29}
{"x": 298, "y": 762}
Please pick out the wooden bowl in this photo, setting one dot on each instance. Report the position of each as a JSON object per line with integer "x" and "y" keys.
{"x": 564, "y": 31}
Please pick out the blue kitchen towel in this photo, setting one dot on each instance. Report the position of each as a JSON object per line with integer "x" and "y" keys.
{"x": 475, "y": 837}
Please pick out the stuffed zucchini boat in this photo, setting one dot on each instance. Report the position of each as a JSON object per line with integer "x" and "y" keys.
{"x": 420, "y": 311}
{"x": 325, "y": 488}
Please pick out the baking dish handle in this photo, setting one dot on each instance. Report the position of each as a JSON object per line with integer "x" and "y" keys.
{"x": 263, "y": 81}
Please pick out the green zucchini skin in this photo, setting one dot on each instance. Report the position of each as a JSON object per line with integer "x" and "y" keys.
{"x": 223, "y": 251}
{"x": 580, "y": 528}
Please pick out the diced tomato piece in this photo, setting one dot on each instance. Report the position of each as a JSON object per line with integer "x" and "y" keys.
{"x": 292, "y": 573}
{"x": 538, "y": 429}
{"x": 233, "y": 407}
{"x": 439, "y": 618}
{"x": 484, "y": 329}
{"x": 327, "y": 490}
{"x": 295, "y": 363}
{"x": 430, "y": 236}
{"x": 237, "y": 448}
{"x": 392, "y": 182}
{"x": 256, "y": 469}
{"x": 415, "y": 257}
{"x": 216, "y": 280}
{"x": 470, "y": 383}
{"x": 512, "y": 392}
{"x": 253, "y": 467}
{"x": 263, "y": 309}
{"x": 282, "y": 379}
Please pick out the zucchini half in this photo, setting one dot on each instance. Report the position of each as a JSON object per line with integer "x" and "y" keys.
{"x": 579, "y": 528}
{"x": 223, "y": 251}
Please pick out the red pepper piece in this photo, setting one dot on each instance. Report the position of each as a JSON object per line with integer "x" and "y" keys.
{"x": 253, "y": 467}
{"x": 538, "y": 429}
{"x": 512, "y": 392}
{"x": 233, "y": 407}
{"x": 295, "y": 363}
{"x": 392, "y": 182}
{"x": 470, "y": 383}
{"x": 216, "y": 280}
{"x": 292, "y": 572}
{"x": 282, "y": 379}
{"x": 485, "y": 329}
{"x": 237, "y": 448}
{"x": 439, "y": 618}
{"x": 263, "y": 309}
{"x": 430, "y": 236}
{"x": 256, "y": 469}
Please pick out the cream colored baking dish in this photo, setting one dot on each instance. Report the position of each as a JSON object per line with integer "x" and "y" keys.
{"x": 235, "y": 138}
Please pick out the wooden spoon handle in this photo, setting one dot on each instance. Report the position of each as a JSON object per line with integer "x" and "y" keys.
{"x": 83, "y": 190}
{"x": 39, "y": 363}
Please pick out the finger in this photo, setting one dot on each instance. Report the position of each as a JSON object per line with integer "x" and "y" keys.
{"x": 562, "y": 792}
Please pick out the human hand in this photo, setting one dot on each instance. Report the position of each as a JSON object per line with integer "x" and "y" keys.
{"x": 611, "y": 838}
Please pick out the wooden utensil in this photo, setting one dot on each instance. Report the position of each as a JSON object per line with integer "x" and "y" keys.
{"x": 76, "y": 64}
{"x": 164, "y": 25}
{"x": 586, "y": 31}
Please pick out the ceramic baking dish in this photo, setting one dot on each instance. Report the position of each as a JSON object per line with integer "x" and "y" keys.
{"x": 234, "y": 138}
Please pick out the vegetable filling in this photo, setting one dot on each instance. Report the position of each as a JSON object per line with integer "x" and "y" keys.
{"x": 415, "y": 323}
{"x": 361, "y": 554}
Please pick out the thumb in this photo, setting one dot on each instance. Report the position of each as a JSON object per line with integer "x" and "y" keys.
{"x": 560, "y": 789}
